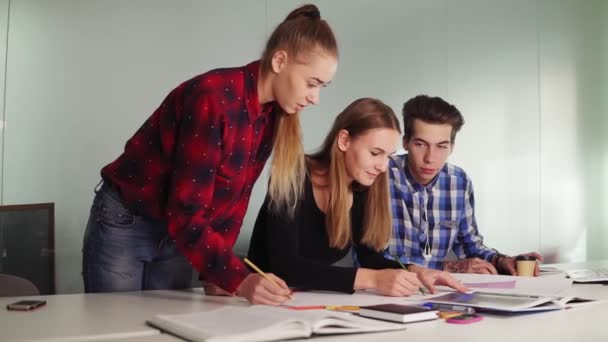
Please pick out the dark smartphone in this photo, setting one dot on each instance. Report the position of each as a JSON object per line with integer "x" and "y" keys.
{"x": 26, "y": 305}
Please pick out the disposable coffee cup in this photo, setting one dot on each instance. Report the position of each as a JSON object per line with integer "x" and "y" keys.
{"x": 525, "y": 265}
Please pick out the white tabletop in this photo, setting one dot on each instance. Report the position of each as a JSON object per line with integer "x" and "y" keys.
{"x": 153, "y": 338}
{"x": 121, "y": 317}
{"x": 78, "y": 317}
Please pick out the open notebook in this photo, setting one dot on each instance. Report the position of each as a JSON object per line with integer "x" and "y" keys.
{"x": 588, "y": 275}
{"x": 265, "y": 323}
{"x": 507, "y": 302}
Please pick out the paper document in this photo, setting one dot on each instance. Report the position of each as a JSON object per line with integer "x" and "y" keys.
{"x": 359, "y": 298}
{"x": 509, "y": 284}
{"x": 543, "y": 286}
{"x": 549, "y": 270}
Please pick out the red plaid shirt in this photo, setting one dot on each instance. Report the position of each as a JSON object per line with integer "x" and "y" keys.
{"x": 193, "y": 163}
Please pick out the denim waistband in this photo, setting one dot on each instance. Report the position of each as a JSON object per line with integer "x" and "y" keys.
{"x": 106, "y": 190}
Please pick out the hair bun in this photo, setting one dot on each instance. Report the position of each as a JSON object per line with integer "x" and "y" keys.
{"x": 313, "y": 14}
{"x": 309, "y": 11}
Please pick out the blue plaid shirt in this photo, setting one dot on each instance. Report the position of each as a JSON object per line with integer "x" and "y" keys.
{"x": 444, "y": 209}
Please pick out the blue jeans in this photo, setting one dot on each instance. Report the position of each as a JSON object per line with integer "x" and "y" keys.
{"x": 126, "y": 252}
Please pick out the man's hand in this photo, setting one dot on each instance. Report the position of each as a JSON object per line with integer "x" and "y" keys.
{"x": 470, "y": 265}
{"x": 429, "y": 278}
{"x": 507, "y": 265}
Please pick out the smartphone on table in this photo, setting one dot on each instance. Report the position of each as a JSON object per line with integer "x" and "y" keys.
{"x": 26, "y": 305}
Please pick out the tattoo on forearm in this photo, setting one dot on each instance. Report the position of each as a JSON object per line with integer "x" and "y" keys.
{"x": 461, "y": 266}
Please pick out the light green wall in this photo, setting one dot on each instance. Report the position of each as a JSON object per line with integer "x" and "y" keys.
{"x": 83, "y": 76}
{"x": 4, "y": 9}
{"x": 529, "y": 77}
{"x": 573, "y": 125}
{"x": 593, "y": 118}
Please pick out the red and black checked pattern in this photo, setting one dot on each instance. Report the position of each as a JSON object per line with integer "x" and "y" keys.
{"x": 193, "y": 163}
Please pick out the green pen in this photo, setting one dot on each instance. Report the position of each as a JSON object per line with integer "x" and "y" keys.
{"x": 403, "y": 266}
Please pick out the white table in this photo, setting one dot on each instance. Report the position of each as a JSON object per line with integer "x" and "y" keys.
{"x": 79, "y": 317}
{"x": 121, "y": 317}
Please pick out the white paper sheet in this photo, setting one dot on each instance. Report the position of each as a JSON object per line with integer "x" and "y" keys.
{"x": 358, "y": 298}
{"x": 543, "y": 286}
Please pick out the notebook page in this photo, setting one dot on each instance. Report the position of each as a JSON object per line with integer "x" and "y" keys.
{"x": 540, "y": 286}
{"x": 234, "y": 324}
{"x": 359, "y": 298}
{"x": 346, "y": 323}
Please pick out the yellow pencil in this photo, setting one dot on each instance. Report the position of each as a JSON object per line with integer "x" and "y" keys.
{"x": 405, "y": 268}
{"x": 260, "y": 272}
{"x": 342, "y": 308}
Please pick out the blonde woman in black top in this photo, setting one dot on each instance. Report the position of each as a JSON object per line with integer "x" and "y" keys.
{"x": 344, "y": 206}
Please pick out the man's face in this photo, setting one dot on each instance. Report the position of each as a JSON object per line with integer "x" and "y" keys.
{"x": 428, "y": 149}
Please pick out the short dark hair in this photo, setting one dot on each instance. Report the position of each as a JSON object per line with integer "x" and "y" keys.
{"x": 433, "y": 110}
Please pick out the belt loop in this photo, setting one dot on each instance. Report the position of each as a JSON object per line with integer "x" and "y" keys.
{"x": 98, "y": 186}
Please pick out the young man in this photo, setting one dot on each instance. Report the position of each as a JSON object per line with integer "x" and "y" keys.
{"x": 432, "y": 201}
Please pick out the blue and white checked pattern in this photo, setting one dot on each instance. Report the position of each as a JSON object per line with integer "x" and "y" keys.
{"x": 444, "y": 209}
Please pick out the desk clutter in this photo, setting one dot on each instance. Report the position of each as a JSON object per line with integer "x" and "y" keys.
{"x": 305, "y": 317}
{"x": 192, "y": 315}
{"x": 267, "y": 323}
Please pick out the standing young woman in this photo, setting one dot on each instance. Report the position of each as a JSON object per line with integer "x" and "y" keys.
{"x": 175, "y": 199}
{"x": 344, "y": 206}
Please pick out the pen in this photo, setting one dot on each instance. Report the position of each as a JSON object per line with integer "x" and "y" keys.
{"x": 450, "y": 307}
{"x": 260, "y": 272}
{"x": 403, "y": 266}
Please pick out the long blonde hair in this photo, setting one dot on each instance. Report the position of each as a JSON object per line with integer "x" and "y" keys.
{"x": 360, "y": 116}
{"x": 300, "y": 33}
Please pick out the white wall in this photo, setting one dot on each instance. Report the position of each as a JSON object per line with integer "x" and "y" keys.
{"x": 600, "y": 213}
{"x": 3, "y": 35}
{"x": 573, "y": 141}
{"x": 493, "y": 79}
{"x": 83, "y": 75}
{"x": 593, "y": 122}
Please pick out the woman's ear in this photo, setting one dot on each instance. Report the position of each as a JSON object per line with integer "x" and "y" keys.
{"x": 279, "y": 60}
{"x": 343, "y": 140}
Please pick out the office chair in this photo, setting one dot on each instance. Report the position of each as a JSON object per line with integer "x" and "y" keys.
{"x": 11, "y": 286}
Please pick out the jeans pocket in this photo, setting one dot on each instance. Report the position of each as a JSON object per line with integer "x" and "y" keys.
{"x": 115, "y": 215}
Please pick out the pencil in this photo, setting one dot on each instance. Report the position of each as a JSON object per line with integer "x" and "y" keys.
{"x": 260, "y": 272}
{"x": 405, "y": 268}
{"x": 343, "y": 308}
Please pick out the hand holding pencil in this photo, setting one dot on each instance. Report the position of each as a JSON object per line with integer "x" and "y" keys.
{"x": 421, "y": 289}
{"x": 430, "y": 278}
{"x": 263, "y": 288}
{"x": 394, "y": 282}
